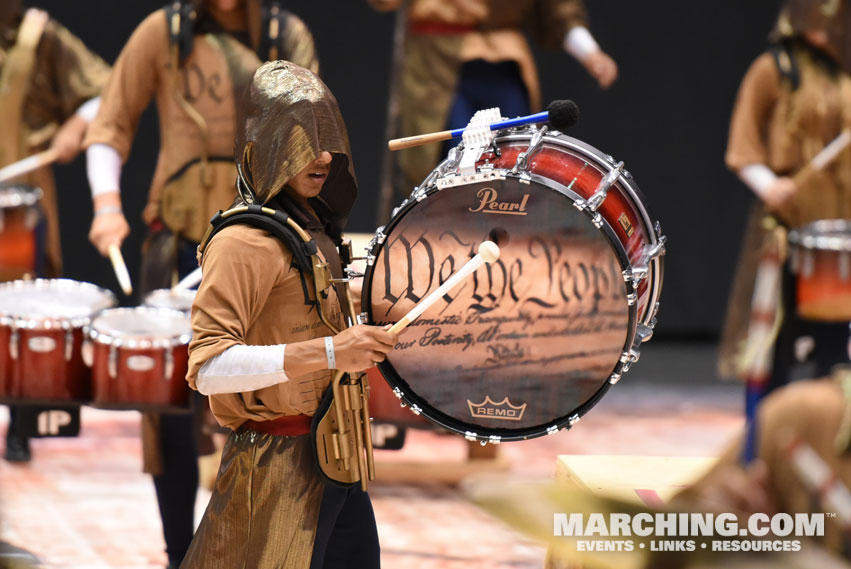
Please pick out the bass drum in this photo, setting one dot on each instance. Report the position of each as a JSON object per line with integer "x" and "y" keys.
{"x": 528, "y": 344}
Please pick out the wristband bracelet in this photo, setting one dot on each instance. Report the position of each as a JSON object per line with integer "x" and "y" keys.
{"x": 329, "y": 352}
{"x": 108, "y": 209}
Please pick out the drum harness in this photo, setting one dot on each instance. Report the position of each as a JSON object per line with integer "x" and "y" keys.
{"x": 342, "y": 438}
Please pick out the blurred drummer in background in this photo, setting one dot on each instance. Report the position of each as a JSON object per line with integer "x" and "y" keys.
{"x": 464, "y": 55}
{"x": 793, "y": 101}
{"x": 49, "y": 87}
{"x": 194, "y": 59}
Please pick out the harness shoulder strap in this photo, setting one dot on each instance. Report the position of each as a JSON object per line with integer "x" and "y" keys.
{"x": 787, "y": 64}
{"x": 274, "y": 25}
{"x": 276, "y": 222}
{"x": 181, "y": 27}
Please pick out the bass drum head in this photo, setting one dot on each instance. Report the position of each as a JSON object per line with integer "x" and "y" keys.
{"x": 524, "y": 346}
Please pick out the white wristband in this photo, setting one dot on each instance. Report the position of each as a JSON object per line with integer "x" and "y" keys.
{"x": 103, "y": 165}
{"x": 329, "y": 352}
{"x": 579, "y": 43}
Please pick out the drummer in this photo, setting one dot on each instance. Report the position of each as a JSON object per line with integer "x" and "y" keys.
{"x": 252, "y": 293}
{"x": 222, "y": 41}
{"x": 49, "y": 87}
{"x": 792, "y": 102}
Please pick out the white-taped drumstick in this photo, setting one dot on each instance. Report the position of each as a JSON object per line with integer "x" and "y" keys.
{"x": 27, "y": 165}
{"x": 188, "y": 281}
{"x": 829, "y": 152}
{"x": 120, "y": 269}
{"x": 488, "y": 253}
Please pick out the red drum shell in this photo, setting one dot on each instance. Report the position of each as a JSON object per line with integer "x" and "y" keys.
{"x": 19, "y": 215}
{"x": 145, "y": 387}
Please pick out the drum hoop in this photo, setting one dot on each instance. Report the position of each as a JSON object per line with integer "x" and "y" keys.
{"x": 19, "y": 195}
{"x": 8, "y": 318}
{"x": 811, "y": 236}
{"x": 495, "y": 434}
{"x": 162, "y": 342}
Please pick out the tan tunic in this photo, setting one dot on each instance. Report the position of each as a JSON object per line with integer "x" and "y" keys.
{"x": 251, "y": 294}
{"x": 206, "y": 80}
{"x": 496, "y": 34}
{"x": 66, "y": 75}
{"x": 785, "y": 129}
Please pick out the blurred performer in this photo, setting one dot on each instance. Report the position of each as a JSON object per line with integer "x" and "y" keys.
{"x": 195, "y": 60}
{"x": 464, "y": 55}
{"x": 49, "y": 84}
{"x": 803, "y": 460}
{"x": 793, "y": 101}
{"x": 258, "y": 349}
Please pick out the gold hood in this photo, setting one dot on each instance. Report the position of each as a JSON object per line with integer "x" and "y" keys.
{"x": 287, "y": 116}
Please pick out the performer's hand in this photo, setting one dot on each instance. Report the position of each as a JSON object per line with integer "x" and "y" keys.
{"x": 602, "y": 68}
{"x": 109, "y": 228}
{"x": 362, "y": 346}
{"x": 69, "y": 140}
{"x": 385, "y": 5}
{"x": 779, "y": 193}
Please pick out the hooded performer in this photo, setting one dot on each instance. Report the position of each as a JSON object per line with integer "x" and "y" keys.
{"x": 793, "y": 101}
{"x": 192, "y": 58}
{"x": 49, "y": 84}
{"x": 261, "y": 351}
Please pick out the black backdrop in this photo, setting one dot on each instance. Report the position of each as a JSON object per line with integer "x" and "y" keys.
{"x": 666, "y": 118}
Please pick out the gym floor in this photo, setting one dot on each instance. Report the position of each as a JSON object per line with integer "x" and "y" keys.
{"x": 84, "y": 503}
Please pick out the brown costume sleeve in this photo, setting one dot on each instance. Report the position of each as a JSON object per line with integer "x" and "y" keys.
{"x": 241, "y": 265}
{"x": 299, "y": 46}
{"x": 755, "y": 102}
{"x": 131, "y": 86}
{"x": 552, "y": 19}
{"x": 78, "y": 74}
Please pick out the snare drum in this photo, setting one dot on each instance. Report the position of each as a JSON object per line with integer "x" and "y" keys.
{"x": 820, "y": 258}
{"x": 139, "y": 359}
{"x": 166, "y": 298}
{"x": 41, "y": 325}
{"x": 19, "y": 240}
{"x": 528, "y": 344}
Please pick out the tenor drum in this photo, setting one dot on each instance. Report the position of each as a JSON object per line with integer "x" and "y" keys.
{"x": 139, "y": 359}
{"x": 528, "y": 344}
{"x": 41, "y": 335}
{"x": 820, "y": 258}
{"x": 20, "y": 243}
{"x": 166, "y": 298}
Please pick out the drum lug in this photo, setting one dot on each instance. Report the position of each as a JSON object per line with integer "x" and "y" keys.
{"x": 397, "y": 392}
{"x": 629, "y": 358}
{"x": 552, "y": 429}
{"x": 525, "y": 157}
{"x": 602, "y": 191}
{"x": 653, "y": 251}
{"x": 69, "y": 344}
{"x": 363, "y": 318}
{"x": 14, "y": 338}
{"x": 168, "y": 366}
{"x": 573, "y": 419}
{"x": 642, "y": 334}
{"x": 471, "y": 436}
{"x": 615, "y": 378}
{"x": 495, "y": 439}
{"x": 112, "y": 363}
{"x": 416, "y": 409}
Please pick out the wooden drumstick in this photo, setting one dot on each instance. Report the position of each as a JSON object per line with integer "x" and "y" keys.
{"x": 120, "y": 269}
{"x": 488, "y": 253}
{"x": 188, "y": 281}
{"x": 27, "y": 165}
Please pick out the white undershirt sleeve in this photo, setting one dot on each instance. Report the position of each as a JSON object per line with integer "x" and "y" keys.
{"x": 579, "y": 43}
{"x": 242, "y": 368}
{"x": 89, "y": 110}
{"x": 758, "y": 177}
{"x": 103, "y": 166}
